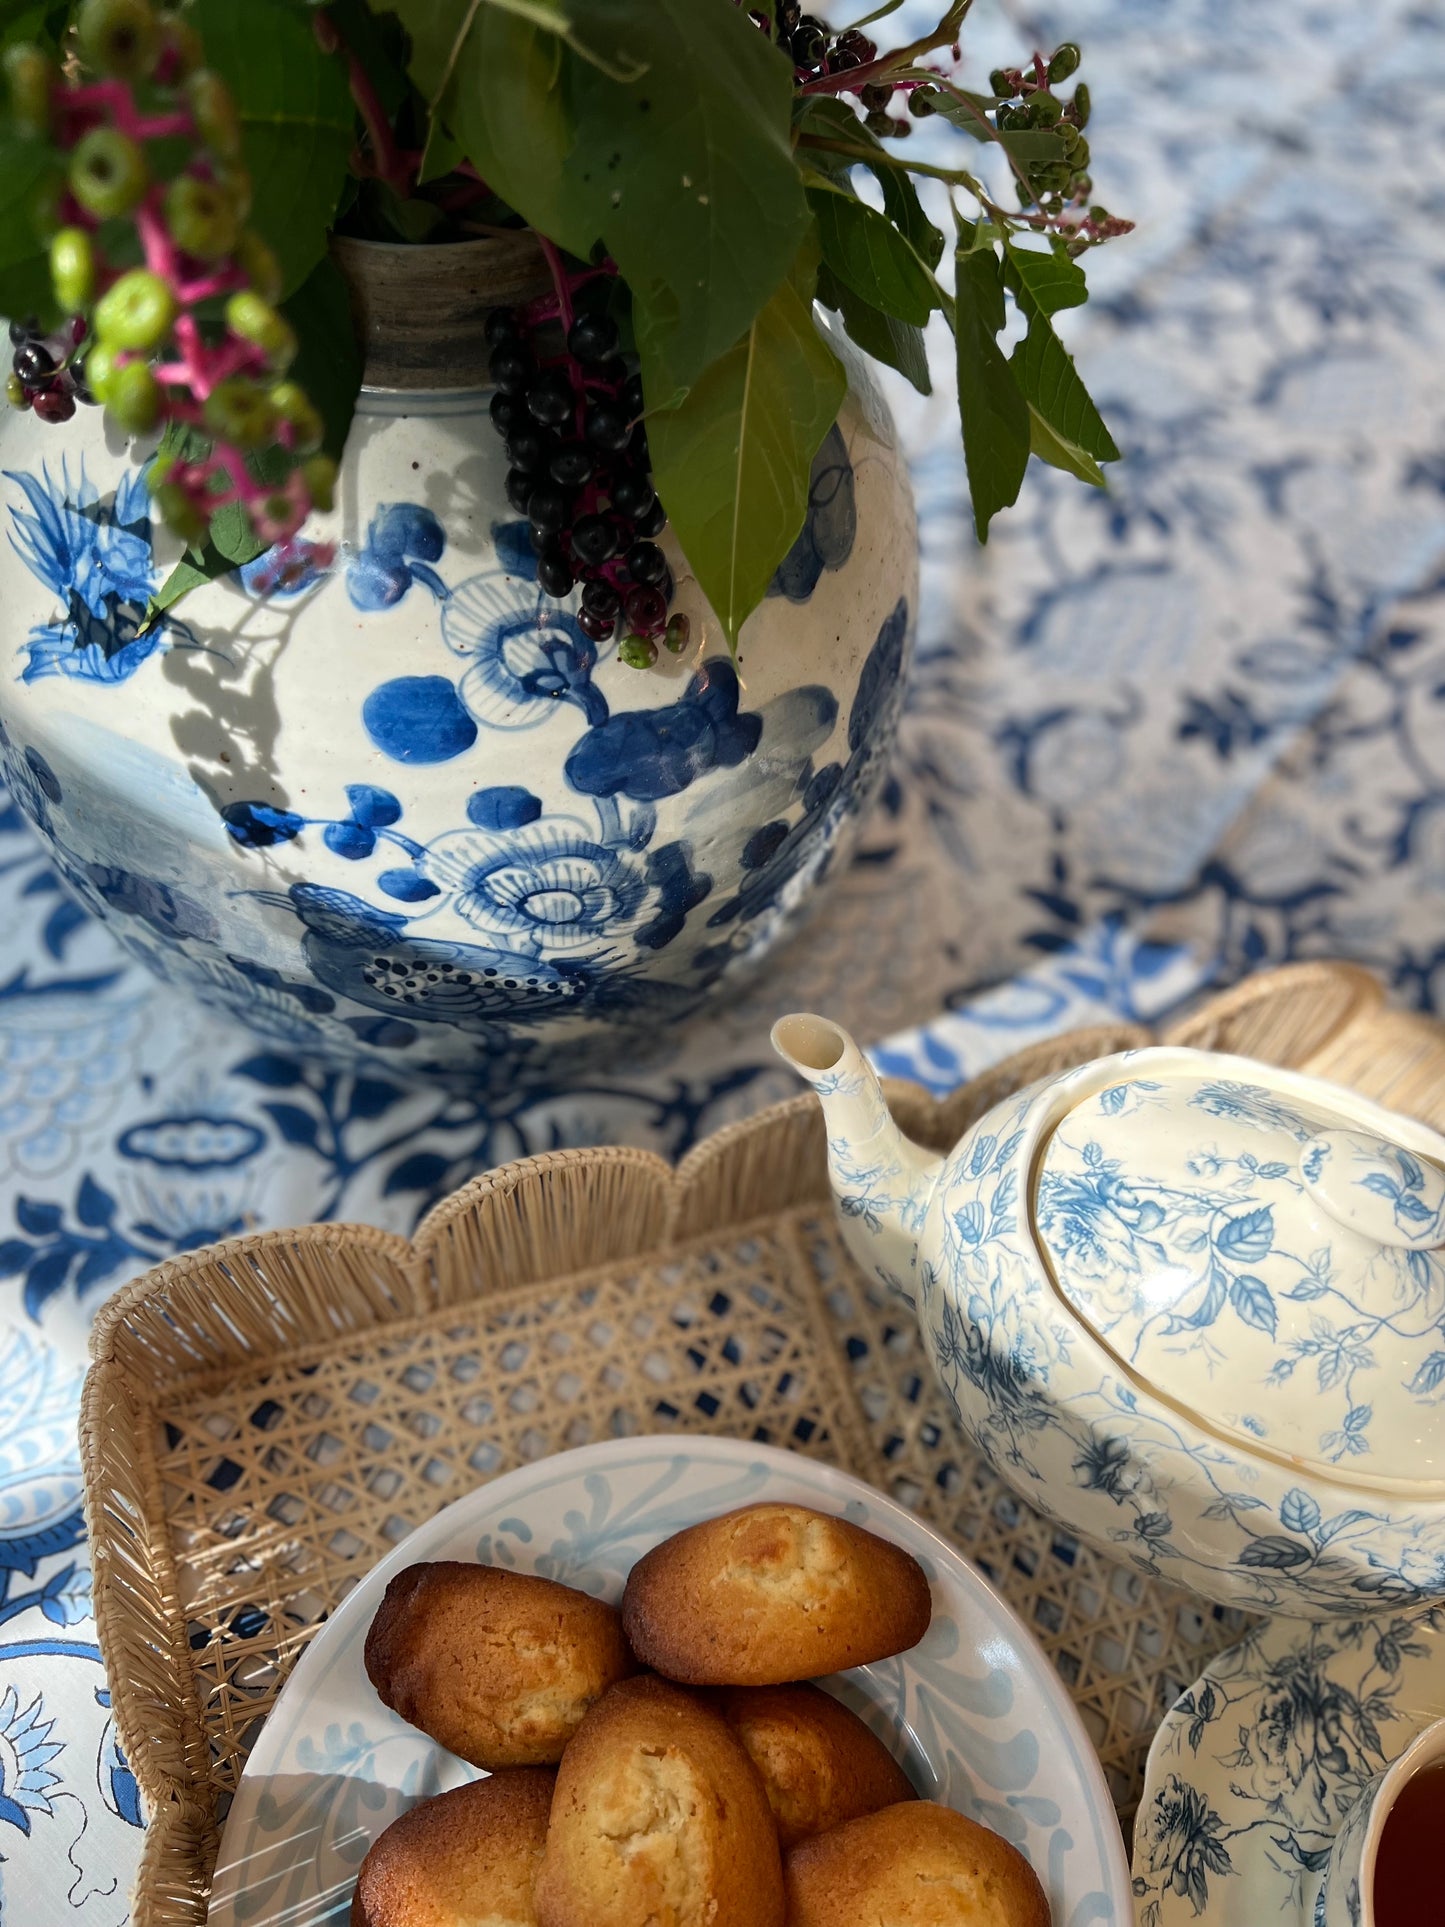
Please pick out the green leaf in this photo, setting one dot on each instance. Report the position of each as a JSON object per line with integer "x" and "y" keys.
{"x": 1044, "y": 282}
{"x": 966, "y": 111}
{"x": 1033, "y": 146}
{"x": 732, "y": 461}
{"x": 230, "y": 543}
{"x": 864, "y": 251}
{"x": 297, "y": 116}
{"x": 195, "y": 568}
{"x": 703, "y": 207}
{"x": 230, "y": 540}
{"x": 25, "y": 288}
{"x": 1067, "y": 430}
{"x": 994, "y": 412}
{"x": 329, "y": 361}
{"x": 658, "y": 127}
{"x": 834, "y": 119}
{"x": 1058, "y": 453}
{"x": 496, "y": 81}
{"x": 442, "y": 154}
{"x": 898, "y": 343}
{"x": 1047, "y": 377}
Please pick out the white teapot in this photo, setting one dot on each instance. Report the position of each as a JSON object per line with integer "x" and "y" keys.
{"x": 1190, "y": 1305}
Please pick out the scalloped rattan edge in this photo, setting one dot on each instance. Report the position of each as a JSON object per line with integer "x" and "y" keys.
{"x": 228, "y": 1310}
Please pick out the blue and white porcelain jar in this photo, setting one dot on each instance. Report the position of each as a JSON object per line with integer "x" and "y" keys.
{"x": 401, "y": 808}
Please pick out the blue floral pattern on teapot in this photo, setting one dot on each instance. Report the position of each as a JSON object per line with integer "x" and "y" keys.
{"x": 1035, "y": 1257}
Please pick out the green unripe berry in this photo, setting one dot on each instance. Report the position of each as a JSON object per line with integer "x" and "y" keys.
{"x": 878, "y": 122}
{"x": 922, "y": 102}
{"x": 108, "y": 173}
{"x": 1070, "y": 136}
{"x": 1099, "y": 214}
{"x": 998, "y": 85}
{"x": 238, "y": 411}
{"x": 15, "y": 392}
{"x": 30, "y": 78}
{"x": 235, "y": 184}
{"x": 638, "y": 652}
{"x": 677, "y": 633}
{"x": 136, "y": 312}
{"x": 259, "y": 265}
{"x": 1044, "y": 110}
{"x": 1081, "y": 105}
{"x": 201, "y": 218}
{"x": 319, "y": 474}
{"x": 120, "y": 37}
{"x": 1065, "y": 62}
{"x": 1079, "y": 159}
{"x": 293, "y": 405}
{"x": 256, "y": 321}
{"x": 133, "y": 397}
{"x": 100, "y": 370}
{"x": 177, "y": 510}
{"x": 183, "y": 43}
{"x": 72, "y": 269}
{"x": 214, "y": 112}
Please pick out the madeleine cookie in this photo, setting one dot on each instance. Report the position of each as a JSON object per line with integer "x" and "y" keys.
{"x": 819, "y": 1763}
{"x": 660, "y": 1817}
{"x": 770, "y": 1594}
{"x": 918, "y": 1865}
{"x": 461, "y": 1858}
{"x": 499, "y": 1667}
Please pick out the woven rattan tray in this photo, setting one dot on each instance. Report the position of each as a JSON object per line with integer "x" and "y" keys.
{"x": 265, "y": 1419}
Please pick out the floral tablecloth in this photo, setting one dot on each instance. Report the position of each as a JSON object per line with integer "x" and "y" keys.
{"x": 1156, "y": 738}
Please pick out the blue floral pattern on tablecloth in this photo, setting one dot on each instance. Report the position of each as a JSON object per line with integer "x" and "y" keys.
{"x": 1156, "y": 737}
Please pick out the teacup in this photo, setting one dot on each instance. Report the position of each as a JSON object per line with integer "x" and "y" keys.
{"x": 1348, "y": 1897}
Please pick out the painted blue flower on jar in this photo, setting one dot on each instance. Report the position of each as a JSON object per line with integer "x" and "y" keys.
{"x": 95, "y": 554}
{"x": 545, "y": 886}
{"x": 520, "y": 660}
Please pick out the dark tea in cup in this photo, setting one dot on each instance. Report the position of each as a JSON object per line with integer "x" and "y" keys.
{"x": 1409, "y": 1884}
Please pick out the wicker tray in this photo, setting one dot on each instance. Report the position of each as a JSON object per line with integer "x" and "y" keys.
{"x": 265, "y": 1419}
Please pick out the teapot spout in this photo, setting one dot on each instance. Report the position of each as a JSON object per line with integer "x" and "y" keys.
{"x": 882, "y": 1182}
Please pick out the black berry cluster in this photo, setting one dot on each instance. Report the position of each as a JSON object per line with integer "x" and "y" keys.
{"x": 44, "y": 372}
{"x": 815, "y": 50}
{"x": 579, "y": 472}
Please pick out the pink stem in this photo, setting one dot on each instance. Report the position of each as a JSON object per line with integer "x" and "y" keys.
{"x": 160, "y": 251}
{"x": 558, "y": 273}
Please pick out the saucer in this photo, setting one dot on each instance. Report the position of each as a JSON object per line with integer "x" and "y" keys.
{"x": 1255, "y": 1767}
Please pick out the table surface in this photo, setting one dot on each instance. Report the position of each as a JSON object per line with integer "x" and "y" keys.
{"x": 1156, "y": 738}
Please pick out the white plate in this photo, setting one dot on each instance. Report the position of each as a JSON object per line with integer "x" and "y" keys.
{"x": 975, "y": 1712}
{"x": 1255, "y": 1767}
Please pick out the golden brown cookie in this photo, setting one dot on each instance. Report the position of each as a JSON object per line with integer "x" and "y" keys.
{"x": 497, "y": 1666}
{"x": 819, "y": 1762}
{"x": 659, "y": 1817}
{"x": 770, "y": 1594}
{"x": 462, "y": 1859}
{"x": 918, "y": 1865}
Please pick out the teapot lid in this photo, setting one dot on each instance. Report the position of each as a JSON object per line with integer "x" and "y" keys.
{"x": 1268, "y": 1255}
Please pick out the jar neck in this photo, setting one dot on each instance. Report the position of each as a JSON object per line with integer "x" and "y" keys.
{"x": 421, "y": 311}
